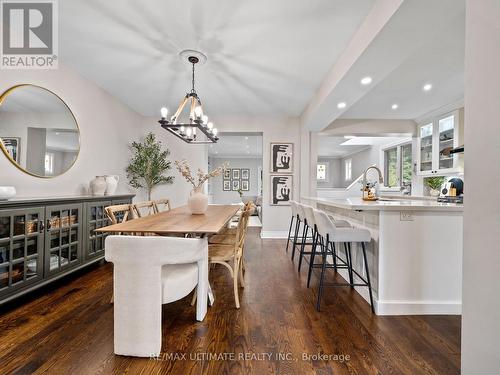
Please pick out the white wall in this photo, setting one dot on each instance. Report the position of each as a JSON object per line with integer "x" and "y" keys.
{"x": 219, "y": 196}
{"x": 107, "y": 128}
{"x": 481, "y": 258}
{"x": 333, "y": 173}
{"x": 276, "y": 219}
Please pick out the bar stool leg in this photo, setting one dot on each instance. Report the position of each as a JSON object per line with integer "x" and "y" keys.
{"x": 297, "y": 228}
{"x": 289, "y": 232}
{"x": 304, "y": 235}
{"x": 311, "y": 261}
{"x": 304, "y": 245}
{"x": 324, "y": 245}
{"x": 334, "y": 250}
{"x": 347, "y": 248}
{"x": 368, "y": 277}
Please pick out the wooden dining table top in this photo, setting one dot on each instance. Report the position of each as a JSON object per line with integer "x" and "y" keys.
{"x": 178, "y": 220}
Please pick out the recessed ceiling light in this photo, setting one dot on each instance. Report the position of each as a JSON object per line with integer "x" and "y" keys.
{"x": 366, "y": 81}
{"x": 395, "y": 106}
{"x": 427, "y": 87}
{"x": 248, "y": 152}
{"x": 349, "y": 136}
{"x": 246, "y": 138}
{"x": 341, "y": 105}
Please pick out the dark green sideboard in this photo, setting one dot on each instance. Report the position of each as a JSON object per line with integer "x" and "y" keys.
{"x": 44, "y": 239}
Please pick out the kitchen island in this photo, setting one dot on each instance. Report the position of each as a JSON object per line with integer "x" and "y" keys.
{"x": 415, "y": 256}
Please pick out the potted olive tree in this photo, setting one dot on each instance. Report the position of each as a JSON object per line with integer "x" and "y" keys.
{"x": 149, "y": 165}
{"x": 434, "y": 184}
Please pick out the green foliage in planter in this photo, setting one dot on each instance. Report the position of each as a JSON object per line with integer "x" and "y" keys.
{"x": 149, "y": 165}
{"x": 434, "y": 182}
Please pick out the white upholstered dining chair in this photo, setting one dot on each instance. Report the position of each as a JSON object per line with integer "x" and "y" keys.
{"x": 148, "y": 272}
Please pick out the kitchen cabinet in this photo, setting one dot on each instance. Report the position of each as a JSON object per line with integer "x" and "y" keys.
{"x": 44, "y": 239}
{"x": 435, "y": 138}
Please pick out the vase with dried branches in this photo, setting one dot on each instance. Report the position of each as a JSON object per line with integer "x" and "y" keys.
{"x": 198, "y": 201}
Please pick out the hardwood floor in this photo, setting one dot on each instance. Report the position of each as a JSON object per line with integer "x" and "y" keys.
{"x": 68, "y": 329}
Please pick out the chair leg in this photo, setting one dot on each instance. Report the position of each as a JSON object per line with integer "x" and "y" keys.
{"x": 347, "y": 248}
{"x": 311, "y": 261}
{"x": 322, "y": 277}
{"x": 240, "y": 274}
{"x": 297, "y": 228}
{"x": 235, "y": 282}
{"x": 302, "y": 248}
{"x": 289, "y": 232}
{"x": 195, "y": 294}
{"x": 368, "y": 277}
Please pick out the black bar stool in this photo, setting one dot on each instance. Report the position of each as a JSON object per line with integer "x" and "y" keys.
{"x": 291, "y": 235}
{"x": 330, "y": 233}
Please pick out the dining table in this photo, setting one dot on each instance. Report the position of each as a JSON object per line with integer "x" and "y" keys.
{"x": 177, "y": 221}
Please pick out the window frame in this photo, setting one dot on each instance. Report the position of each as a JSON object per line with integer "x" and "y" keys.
{"x": 348, "y": 176}
{"x": 399, "y": 161}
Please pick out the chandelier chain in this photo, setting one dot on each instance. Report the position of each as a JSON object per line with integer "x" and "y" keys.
{"x": 193, "y": 90}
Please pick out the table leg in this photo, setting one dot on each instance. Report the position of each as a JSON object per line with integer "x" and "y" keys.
{"x": 211, "y": 296}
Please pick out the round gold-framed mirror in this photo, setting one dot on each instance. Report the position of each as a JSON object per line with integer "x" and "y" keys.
{"x": 38, "y": 132}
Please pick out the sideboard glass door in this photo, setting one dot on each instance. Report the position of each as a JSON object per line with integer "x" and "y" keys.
{"x": 63, "y": 238}
{"x": 96, "y": 218}
{"x": 21, "y": 248}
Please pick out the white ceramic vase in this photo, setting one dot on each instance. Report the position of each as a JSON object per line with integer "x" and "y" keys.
{"x": 98, "y": 185}
{"x": 198, "y": 202}
{"x": 7, "y": 192}
{"x": 434, "y": 192}
{"x": 111, "y": 184}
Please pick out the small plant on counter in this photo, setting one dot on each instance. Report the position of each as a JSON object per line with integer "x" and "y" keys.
{"x": 434, "y": 183}
{"x": 149, "y": 165}
{"x": 184, "y": 169}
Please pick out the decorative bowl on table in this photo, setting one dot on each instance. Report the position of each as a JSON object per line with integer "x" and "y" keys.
{"x": 7, "y": 192}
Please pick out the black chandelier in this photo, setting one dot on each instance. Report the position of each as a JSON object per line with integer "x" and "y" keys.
{"x": 189, "y": 131}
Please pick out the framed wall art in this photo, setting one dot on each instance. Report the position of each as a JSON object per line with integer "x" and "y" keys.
{"x": 226, "y": 185}
{"x": 235, "y": 174}
{"x": 227, "y": 174}
{"x": 281, "y": 157}
{"x": 235, "y": 185}
{"x": 245, "y": 185}
{"x": 12, "y": 145}
{"x": 245, "y": 174}
{"x": 281, "y": 190}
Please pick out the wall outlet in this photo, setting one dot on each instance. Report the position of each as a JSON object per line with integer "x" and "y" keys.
{"x": 406, "y": 216}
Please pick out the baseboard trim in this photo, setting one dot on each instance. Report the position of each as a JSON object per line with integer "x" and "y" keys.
{"x": 408, "y": 307}
{"x": 273, "y": 234}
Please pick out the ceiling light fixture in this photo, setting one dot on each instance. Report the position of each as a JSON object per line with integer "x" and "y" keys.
{"x": 427, "y": 87}
{"x": 349, "y": 136}
{"x": 395, "y": 106}
{"x": 186, "y": 130}
{"x": 341, "y": 105}
{"x": 366, "y": 81}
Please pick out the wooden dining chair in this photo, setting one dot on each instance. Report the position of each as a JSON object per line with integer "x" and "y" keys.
{"x": 142, "y": 209}
{"x": 118, "y": 213}
{"x": 227, "y": 235}
{"x": 231, "y": 255}
{"x": 161, "y": 205}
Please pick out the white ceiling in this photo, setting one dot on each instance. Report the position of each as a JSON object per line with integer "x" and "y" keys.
{"x": 263, "y": 56}
{"x": 245, "y": 146}
{"x": 440, "y": 61}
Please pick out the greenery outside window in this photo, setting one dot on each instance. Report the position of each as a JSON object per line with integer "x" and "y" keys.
{"x": 398, "y": 165}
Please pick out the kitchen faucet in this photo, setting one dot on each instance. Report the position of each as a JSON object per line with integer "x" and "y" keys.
{"x": 380, "y": 177}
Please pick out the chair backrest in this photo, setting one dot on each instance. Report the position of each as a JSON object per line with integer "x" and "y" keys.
{"x": 324, "y": 224}
{"x": 300, "y": 211}
{"x": 154, "y": 251}
{"x": 161, "y": 205}
{"x": 309, "y": 214}
{"x": 142, "y": 209}
{"x": 293, "y": 206}
{"x": 241, "y": 231}
{"x": 118, "y": 213}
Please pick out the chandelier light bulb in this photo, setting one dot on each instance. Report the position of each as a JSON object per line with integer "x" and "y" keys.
{"x": 182, "y": 129}
{"x": 164, "y": 113}
{"x": 210, "y": 125}
{"x": 204, "y": 119}
{"x": 215, "y": 131}
{"x": 194, "y": 130}
{"x": 189, "y": 131}
{"x": 198, "y": 112}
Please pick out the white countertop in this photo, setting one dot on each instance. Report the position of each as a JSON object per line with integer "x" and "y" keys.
{"x": 358, "y": 204}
